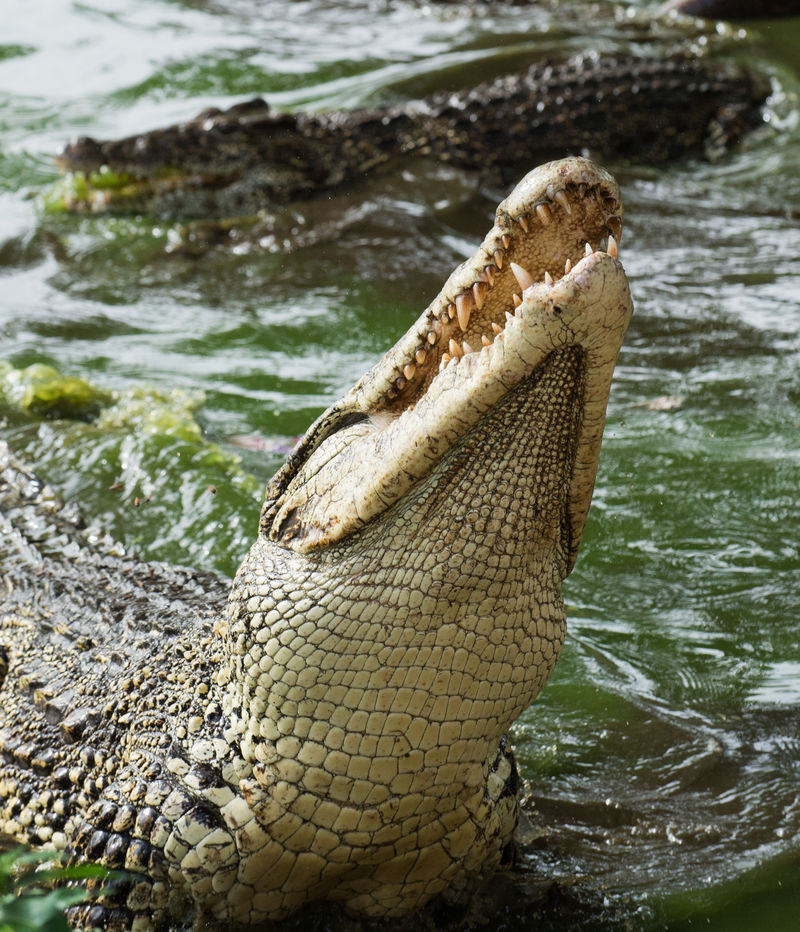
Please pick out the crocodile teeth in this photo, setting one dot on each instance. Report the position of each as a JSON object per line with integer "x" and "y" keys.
{"x": 431, "y": 338}
{"x": 485, "y": 340}
{"x": 506, "y": 240}
{"x": 516, "y": 299}
{"x": 588, "y": 250}
{"x": 499, "y": 258}
{"x": 489, "y": 271}
{"x": 563, "y": 200}
{"x": 420, "y": 356}
{"x": 451, "y": 311}
{"x": 454, "y": 348}
{"x": 466, "y": 348}
{"x": 568, "y": 266}
{"x": 544, "y": 213}
{"x": 464, "y": 309}
{"x": 523, "y": 277}
{"x": 409, "y": 370}
{"x": 612, "y": 249}
{"x": 548, "y": 278}
{"x": 615, "y": 225}
{"x": 524, "y": 223}
{"x": 479, "y": 290}
{"x": 497, "y": 328}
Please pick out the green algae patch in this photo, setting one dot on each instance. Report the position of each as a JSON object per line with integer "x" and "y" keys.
{"x": 148, "y": 410}
{"x": 96, "y": 191}
{"x": 41, "y": 391}
{"x": 137, "y": 460}
{"x": 89, "y": 191}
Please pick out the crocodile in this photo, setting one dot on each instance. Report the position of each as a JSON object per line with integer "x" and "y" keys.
{"x": 235, "y": 162}
{"x": 734, "y": 9}
{"x": 335, "y": 732}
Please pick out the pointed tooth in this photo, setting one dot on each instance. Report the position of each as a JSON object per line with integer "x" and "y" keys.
{"x": 431, "y": 338}
{"x": 548, "y": 278}
{"x": 612, "y": 247}
{"x": 454, "y": 348}
{"x": 568, "y": 266}
{"x": 523, "y": 221}
{"x": 445, "y": 360}
{"x": 485, "y": 340}
{"x": 466, "y": 348}
{"x": 400, "y": 383}
{"x": 523, "y": 277}
{"x": 544, "y": 213}
{"x": 509, "y": 318}
{"x": 506, "y": 240}
{"x": 499, "y": 258}
{"x": 420, "y": 356}
{"x": 563, "y": 200}
{"x": 409, "y": 370}
{"x": 588, "y": 250}
{"x": 516, "y": 299}
{"x": 497, "y": 328}
{"x": 479, "y": 290}
{"x": 489, "y": 271}
{"x": 451, "y": 311}
{"x": 464, "y": 305}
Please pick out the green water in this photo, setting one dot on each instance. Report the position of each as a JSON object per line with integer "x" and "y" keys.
{"x": 664, "y": 755}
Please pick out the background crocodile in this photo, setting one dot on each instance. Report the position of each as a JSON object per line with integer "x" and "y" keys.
{"x": 237, "y": 161}
{"x": 336, "y": 734}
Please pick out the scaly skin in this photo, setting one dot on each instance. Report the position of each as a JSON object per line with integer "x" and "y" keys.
{"x": 233, "y": 163}
{"x": 335, "y": 735}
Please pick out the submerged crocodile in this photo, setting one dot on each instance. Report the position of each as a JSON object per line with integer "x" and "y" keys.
{"x": 235, "y": 162}
{"x": 337, "y": 733}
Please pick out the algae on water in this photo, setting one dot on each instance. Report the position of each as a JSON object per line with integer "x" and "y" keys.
{"x": 41, "y": 391}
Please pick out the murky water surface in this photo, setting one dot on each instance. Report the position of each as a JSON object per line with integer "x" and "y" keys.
{"x": 664, "y": 756}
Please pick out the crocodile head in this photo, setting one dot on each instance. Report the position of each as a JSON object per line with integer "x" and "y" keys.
{"x": 401, "y": 605}
{"x": 220, "y": 163}
{"x": 513, "y": 358}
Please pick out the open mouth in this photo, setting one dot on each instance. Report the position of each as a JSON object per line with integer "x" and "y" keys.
{"x": 539, "y": 236}
{"x": 545, "y": 279}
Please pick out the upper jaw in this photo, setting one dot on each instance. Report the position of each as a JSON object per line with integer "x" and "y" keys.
{"x": 483, "y": 335}
{"x": 549, "y": 218}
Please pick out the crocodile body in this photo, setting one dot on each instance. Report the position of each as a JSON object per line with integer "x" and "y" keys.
{"x": 232, "y": 163}
{"x": 336, "y": 732}
{"x": 734, "y": 9}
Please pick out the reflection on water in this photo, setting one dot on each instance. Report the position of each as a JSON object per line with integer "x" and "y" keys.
{"x": 664, "y": 756}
